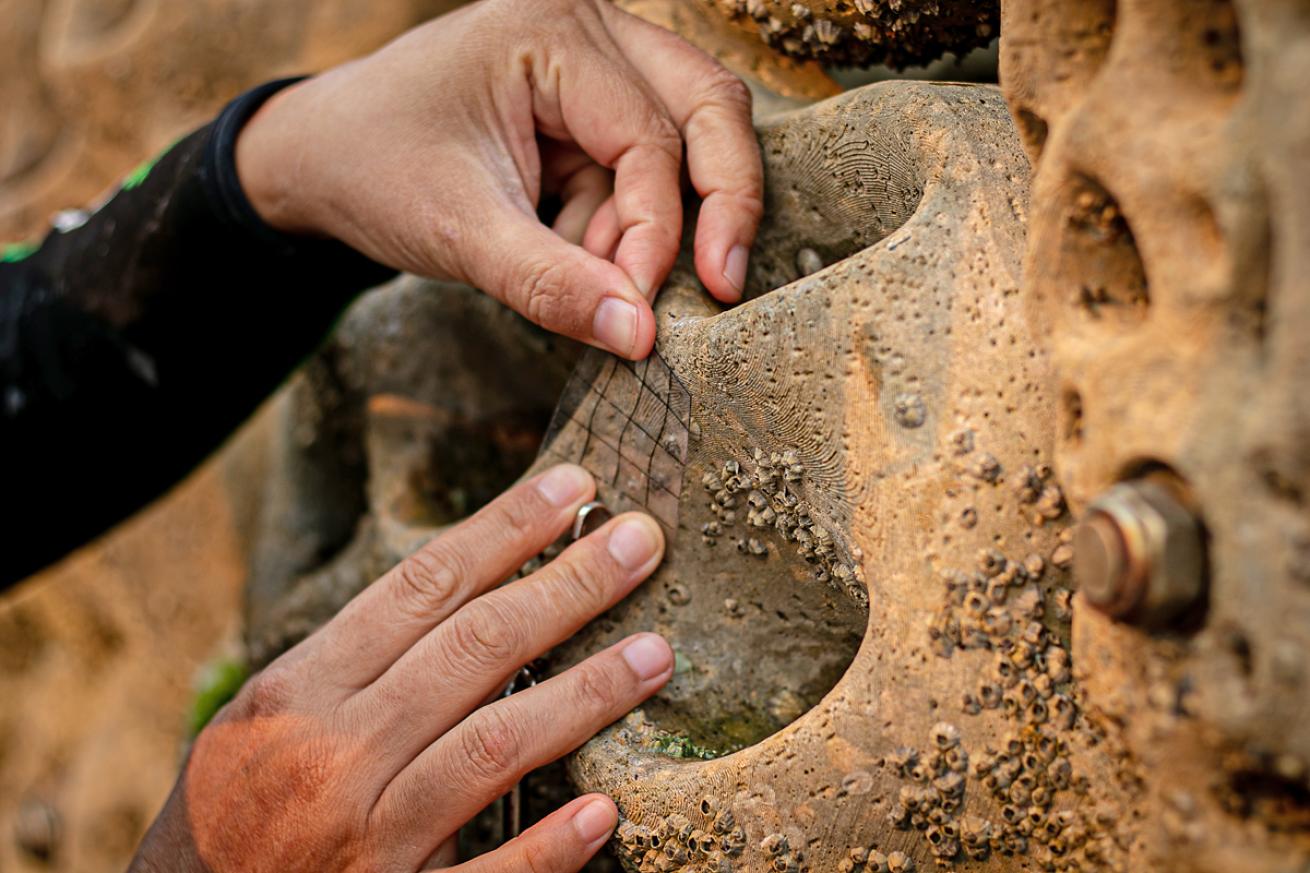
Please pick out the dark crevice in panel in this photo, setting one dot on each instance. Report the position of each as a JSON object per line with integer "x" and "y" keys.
{"x": 1099, "y": 253}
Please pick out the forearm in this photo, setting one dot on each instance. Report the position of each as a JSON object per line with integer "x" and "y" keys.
{"x": 135, "y": 339}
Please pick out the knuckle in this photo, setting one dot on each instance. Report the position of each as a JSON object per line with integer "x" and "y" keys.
{"x": 724, "y": 90}
{"x": 268, "y": 693}
{"x": 585, "y": 576}
{"x": 664, "y": 135}
{"x": 750, "y": 204}
{"x": 428, "y": 581}
{"x": 596, "y": 689}
{"x": 537, "y": 858}
{"x": 486, "y": 636}
{"x": 518, "y": 515}
{"x": 489, "y": 744}
{"x": 543, "y": 292}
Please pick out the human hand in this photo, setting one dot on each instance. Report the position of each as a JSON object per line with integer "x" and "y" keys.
{"x": 366, "y": 747}
{"x": 432, "y": 156}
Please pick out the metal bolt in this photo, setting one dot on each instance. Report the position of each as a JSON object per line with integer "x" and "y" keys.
{"x": 1102, "y": 565}
{"x": 1139, "y": 555}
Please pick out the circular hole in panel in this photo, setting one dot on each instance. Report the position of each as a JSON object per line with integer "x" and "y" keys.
{"x": 790, "y": 639}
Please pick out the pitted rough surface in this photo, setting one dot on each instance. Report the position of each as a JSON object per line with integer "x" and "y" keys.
{"x": 881, "y": 676}
{"x": 899, "y": 33}
{"x": 1168, "y": 264}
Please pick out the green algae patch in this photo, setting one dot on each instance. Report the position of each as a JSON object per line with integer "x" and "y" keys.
{"x": 220, "y": 680}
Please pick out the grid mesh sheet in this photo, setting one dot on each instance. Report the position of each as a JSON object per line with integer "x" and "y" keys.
{"x": 628, "y": 423}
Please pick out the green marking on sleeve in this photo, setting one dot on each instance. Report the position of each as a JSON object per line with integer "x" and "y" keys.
{"x": 139, "y": 175}
{"x": 16, "y": 252}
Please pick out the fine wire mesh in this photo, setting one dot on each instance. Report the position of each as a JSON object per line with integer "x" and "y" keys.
{"x": 628, "y": 423}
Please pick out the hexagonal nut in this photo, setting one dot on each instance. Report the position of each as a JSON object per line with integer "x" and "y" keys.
{"x": 1139, "y": 554}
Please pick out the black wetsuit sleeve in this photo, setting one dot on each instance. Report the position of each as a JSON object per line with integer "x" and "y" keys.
{"x": 134, "y": 339}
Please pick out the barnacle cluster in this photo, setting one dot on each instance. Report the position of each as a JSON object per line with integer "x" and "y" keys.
{"x": 707, "y": 844}
{"x": 898, "y": 33}
{"x": 862, "y": 860}
{"x": 767, "y": 491}
{"x": 1023, "y": 795}
{"x": 784, "y": 858}
{"x": 1021, "y": 782}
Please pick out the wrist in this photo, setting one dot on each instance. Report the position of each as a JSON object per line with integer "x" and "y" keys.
{"x": 266, "y": 163}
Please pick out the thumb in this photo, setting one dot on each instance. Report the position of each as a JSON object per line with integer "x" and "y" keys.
{"x": 560, "y": 286}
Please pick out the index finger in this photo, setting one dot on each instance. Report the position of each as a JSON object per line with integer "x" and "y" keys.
{"x": 712, "y": 109}
{"x": 384, "y": 620}
{"x": 601, "y": 102}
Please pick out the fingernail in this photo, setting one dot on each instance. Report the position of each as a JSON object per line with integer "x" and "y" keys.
{"x": 564, "y": 485}
{"x": 734, "y": 267}
{"x": 616, "y": 325}
{"x": 648, "y": 656}
{"x": 595, "y": 821}
{"x": 633, "y": 542}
